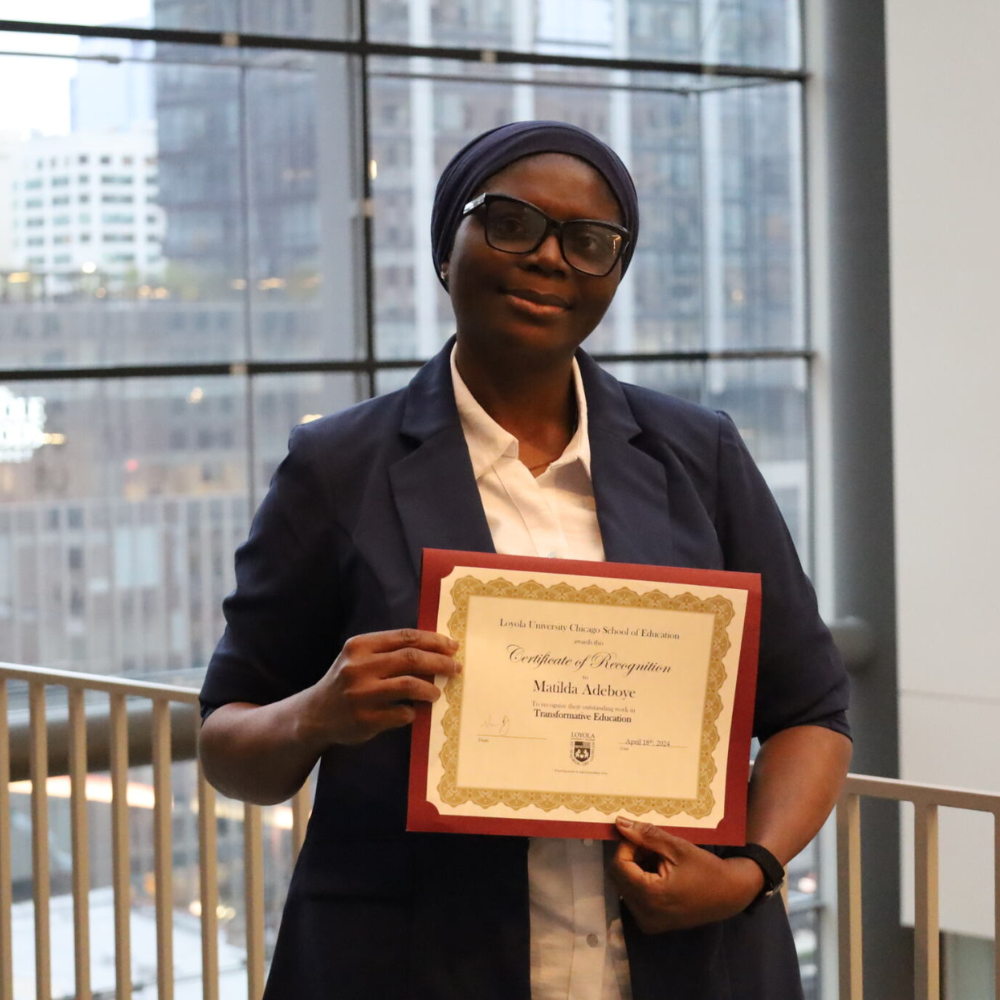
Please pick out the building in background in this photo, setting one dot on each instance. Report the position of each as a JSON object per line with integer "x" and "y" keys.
{"x": 86, "y": 203}
{"x": 84, "y": 209}
{"x": 10, "y": 149}
{"x": 113, "y": 90}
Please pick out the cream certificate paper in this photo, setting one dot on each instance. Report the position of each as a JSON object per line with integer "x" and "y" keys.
{"x": 583, "y": 698}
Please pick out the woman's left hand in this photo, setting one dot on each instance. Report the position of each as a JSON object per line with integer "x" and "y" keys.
{"x": 669, "y": 884}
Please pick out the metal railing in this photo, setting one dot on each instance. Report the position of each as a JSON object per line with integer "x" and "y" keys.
{"x": 161, "y": 706}
{"x": 926, "y": 800}
{"x": 156, "y": 724}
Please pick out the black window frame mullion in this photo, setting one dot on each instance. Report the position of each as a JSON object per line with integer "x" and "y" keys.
{"x": 367, "y": 202}
{"x": 366, "y": 366}
{"x": 364, "y": 47}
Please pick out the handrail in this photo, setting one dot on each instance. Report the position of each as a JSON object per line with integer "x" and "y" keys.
{"x": 927, "y": 800}
{"x": 161, "y": 729}
{"x": 98, "y": 682}
{"x": 919, "y": 791}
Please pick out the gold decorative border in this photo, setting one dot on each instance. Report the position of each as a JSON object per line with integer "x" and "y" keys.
{"x": 719, "y": 607}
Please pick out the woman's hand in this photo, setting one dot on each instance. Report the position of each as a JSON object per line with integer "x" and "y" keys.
{"x": 669, "y": 884}
{"x": 373, "y": 684}
{"x": 263, "y": 753}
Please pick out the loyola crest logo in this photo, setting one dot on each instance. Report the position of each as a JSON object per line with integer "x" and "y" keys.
{"x": 582, "y": 751}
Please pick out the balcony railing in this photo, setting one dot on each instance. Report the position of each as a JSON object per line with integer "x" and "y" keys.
{"x": 927, "y": 800}
{"x": 144, "y": 723}
{"x": 171, "y": 718}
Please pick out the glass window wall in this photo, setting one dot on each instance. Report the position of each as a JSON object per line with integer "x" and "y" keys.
{"x": 207, "y": 239}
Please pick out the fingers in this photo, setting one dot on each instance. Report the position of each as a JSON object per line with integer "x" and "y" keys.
{"x": 376, "y": 680}
{"x": 625, "y": 852}
{"x": 400, "y": 638}
{"x": 411, "y": 660}
{"x": 398, "y": 716}
{"x": 630, "y": 879}
{"x": 670, "y": 884}
{"x": 408, "y": 688}
{"x": 401, "y": 651}
{"x": 633, "y": 869}
{"x": 652, "y": 838}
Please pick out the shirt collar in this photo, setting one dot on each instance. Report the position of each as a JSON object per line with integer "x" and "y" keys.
{"x": 488, "y": 441}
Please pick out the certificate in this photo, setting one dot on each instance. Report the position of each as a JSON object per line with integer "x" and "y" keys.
{"x": 588, "y": 691}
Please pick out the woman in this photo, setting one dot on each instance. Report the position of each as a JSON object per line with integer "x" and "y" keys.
{"x": 510, "y": 439}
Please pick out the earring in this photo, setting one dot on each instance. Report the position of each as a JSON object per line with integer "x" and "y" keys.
{"x": 444, "y": 273}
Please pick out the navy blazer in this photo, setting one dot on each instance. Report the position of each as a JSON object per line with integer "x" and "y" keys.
{"x": 335, "y": 550}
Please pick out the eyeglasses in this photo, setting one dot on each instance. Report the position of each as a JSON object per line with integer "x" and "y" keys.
{"x": 516, "y": 226}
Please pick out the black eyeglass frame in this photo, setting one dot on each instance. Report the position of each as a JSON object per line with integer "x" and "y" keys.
{"x": 551, "y": 225}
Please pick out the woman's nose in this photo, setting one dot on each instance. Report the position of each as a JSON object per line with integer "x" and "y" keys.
{"x": 548, "y": 255}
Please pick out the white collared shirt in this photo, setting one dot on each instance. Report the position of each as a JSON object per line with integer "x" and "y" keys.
{"x": 577, "y": 945}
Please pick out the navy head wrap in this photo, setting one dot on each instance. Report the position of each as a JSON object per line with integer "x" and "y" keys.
{"x": 490, "y": 152}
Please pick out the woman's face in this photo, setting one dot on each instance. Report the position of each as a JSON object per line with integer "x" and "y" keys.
{"x": 532, "y": 301}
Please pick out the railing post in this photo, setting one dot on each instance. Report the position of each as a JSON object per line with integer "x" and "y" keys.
{"x": 80, "y": 841}
{"x": 163, "y": 850}
{"x": 40, "y": 839}
{"x": 208, "y": 876}
{"x": 121, "y": 861}
{"x": 996, "y": 902}
{"x": 6, "y": 893}
{"x": 849, "y": 897}
{"x": 301, "y": 804}
{"x": 253, "y": 885}
{"x": 927, "y": 946}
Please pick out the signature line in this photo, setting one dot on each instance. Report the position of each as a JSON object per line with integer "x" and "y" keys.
{"x": 673, "y": 746}
{"x": 504, "y": 736}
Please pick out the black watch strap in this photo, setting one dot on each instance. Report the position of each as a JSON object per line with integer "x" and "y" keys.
{"x": 774, "y": 873}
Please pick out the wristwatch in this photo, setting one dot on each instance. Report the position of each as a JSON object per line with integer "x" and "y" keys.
{"x": 774, "y": 873}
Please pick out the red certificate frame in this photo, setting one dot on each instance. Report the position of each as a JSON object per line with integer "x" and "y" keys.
{"x": 438, "y": 564}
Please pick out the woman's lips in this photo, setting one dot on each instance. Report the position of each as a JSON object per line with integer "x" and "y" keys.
{"x": 536, "y": 303}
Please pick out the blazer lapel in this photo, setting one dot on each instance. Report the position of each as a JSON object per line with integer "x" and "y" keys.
{"x": 630, "y": 486}
{"x": 438, "y": 502}
{"x": 433, "y": 487}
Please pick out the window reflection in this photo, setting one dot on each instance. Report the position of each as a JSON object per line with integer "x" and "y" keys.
{"x": 118, "y": 530}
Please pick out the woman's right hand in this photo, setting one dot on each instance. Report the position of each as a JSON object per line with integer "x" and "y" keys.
{"x": 373, "y": 684}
